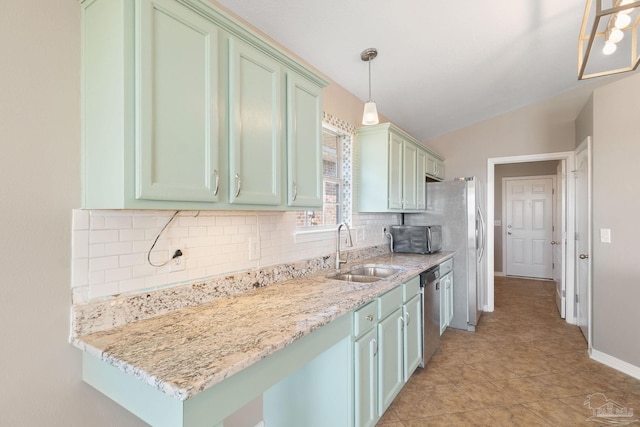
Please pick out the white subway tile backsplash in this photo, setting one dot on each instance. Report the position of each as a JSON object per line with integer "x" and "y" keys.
{"x": 80, "y": 219}
{"x": 110, "y": 247}
{"x": 103, "y": 263}
{"x": 103, "y": 236}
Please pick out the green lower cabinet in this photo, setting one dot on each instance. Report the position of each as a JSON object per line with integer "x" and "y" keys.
{"x": 412, "y": 336}
{"x": 390, "y": 359}
{"x": 365, "y": 353}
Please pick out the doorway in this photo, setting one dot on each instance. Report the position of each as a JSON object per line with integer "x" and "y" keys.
{"x": 567, "y": 159}
{"x": 527, "y": 237}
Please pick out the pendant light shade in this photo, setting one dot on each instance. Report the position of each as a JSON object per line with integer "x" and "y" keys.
{"x": 370, "y": 115}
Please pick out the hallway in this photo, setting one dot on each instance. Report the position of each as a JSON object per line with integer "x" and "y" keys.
{"x": 524, "y": 366}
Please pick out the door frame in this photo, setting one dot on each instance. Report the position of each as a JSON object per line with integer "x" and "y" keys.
{"x": 569, "y": 158}
{"x": 504, "y": 209}
{"x": 587, "y": 145}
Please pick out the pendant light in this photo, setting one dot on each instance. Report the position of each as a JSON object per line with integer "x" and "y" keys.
{"x": 602, "y": 50}
{"x": 370, "y": 115}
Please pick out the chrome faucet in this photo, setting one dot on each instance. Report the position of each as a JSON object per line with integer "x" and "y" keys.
{"x": 349, "y": 244}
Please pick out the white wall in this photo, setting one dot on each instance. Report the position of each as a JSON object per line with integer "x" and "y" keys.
{"x": 616, "y": 205}
{"x": 544, "y": 127}
{"x": 39, "y": 172}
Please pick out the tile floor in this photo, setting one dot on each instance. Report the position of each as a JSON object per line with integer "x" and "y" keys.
{"x": 524, "y": 366}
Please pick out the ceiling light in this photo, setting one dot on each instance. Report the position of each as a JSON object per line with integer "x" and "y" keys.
{"x": 615, "y": 35}
{"x": 624, "y": 3}
{"x": 602, "y": 29}
{"x": 370, "y": 115}
{"x": 622, "y": 21}
{"x": 609, "y": 48}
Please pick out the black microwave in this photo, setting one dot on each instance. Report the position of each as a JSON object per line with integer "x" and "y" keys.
{"x": 416, "y": 239}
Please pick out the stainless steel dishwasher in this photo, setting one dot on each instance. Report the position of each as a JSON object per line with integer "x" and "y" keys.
{"x": 430, "y": 290}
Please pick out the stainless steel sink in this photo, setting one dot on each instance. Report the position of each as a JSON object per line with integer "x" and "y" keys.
{"x": 365, "y": 274}
{"x": 373, "y": 271}
{"x": 354, "y": 278}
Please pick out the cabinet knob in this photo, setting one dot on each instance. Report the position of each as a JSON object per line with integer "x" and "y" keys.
{"x": 238, "y": 184}
{"x": 369, "y": 317}
{"x": 584, "y": 256}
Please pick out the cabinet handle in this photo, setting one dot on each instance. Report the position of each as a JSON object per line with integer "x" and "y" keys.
{"x": 238, "y": 184}
{"x": 295, "y": 192}
{"x": 217, "y": 181}
{"x": 369, "y": 317}
{"x": 375, "y": 347}
{"x": 406, "y": 314}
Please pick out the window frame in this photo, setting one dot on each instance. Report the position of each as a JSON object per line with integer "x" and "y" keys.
{"x": 307, "y": 232}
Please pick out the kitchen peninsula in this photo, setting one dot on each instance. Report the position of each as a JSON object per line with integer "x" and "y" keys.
{"x": 197, "y": 365}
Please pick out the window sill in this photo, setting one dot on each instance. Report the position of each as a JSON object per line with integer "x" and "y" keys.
{"x": 314, "y": 234}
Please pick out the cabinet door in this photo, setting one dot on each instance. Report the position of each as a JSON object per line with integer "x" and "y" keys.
{"x": 443, "y": 304}
{"x": 432, "y": 166}
{"x": 421, "y": 187}
{"x": 412, "y": 336}
{"x": 439, "y": 169}
{"x": 390, "y": 372}
{"x": 366, "y": 379}
{"x": 449, "y": 292}
{"x": 176, "y": 104}
{"x": 304, "y": 142}
{"x": 395, "y": 171}
{"x": 409, "y": 176}
{"x": 255, "y": 126}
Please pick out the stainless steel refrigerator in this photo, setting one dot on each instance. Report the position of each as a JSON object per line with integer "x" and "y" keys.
{"x": 455, "y": 205}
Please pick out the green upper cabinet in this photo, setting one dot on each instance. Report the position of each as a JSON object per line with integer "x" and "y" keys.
{"x": 176, "y": 104}
{"x": 391, "y": 170}
{"x": 421, "y": 202}
{"x": 396, "y": 171}
{"x": 184, "y": 108}
{"x": 435, "y": 167}
{"x": 304, "y": 143}
{"x": 410, "y": 176}
{"x": 255, "y": 126}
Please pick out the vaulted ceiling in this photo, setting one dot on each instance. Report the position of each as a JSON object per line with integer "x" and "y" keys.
{"x": 441, "y": 65}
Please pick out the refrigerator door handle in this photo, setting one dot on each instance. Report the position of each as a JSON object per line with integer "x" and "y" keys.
{"x": 482, "y": 230}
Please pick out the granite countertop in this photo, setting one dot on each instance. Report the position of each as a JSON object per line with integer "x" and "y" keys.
{"x": 187, "y": 351}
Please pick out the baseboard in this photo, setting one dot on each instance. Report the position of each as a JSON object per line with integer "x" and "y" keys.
{"x": 498, "y": 273}
{"x": 615, "y": 363}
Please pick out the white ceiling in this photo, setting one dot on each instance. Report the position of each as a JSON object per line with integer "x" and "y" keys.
{"x": 441, "y": 65}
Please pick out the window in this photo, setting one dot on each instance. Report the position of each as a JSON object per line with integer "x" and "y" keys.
{"x": 333, "y": 184}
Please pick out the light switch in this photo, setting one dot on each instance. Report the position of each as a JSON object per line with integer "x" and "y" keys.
{"x": 605, "y": 235}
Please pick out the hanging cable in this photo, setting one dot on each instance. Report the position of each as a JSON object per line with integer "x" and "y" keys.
{"x": 156, "y": 241}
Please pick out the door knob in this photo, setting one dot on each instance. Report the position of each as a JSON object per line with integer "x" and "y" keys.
{"x": 554, "y": 242}
{"x": 583, "y": 256}
{"x": 509, "y": 233}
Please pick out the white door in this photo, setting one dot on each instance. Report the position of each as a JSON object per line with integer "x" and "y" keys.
{"x": 529, "y": 203}
{"x": 583, "y": 236}
{"x": 559, "y": 240}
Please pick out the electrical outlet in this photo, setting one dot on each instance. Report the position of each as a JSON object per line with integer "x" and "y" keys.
{"x": 360, "y": 234}
{"x": 177, "y": 262}
{"x": 254, "y": 249}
